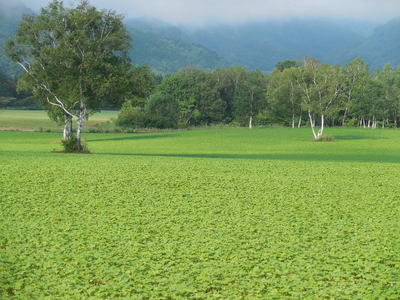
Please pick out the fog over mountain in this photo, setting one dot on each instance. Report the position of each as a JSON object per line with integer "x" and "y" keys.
{"x": 204, "y": 12}
{"x": 170, "y": 34}
{"x": 260, "y": 45}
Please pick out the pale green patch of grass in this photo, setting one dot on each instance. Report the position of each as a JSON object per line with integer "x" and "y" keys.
{"x": 34, "y": 120}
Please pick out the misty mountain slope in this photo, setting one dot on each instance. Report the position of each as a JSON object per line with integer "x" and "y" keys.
{"x": 243, "y": 46}
{"x": 159, "y": 27}
{"x": 382, "y": 47}
{"x": 255, "y": 45}
{"x": 10, "y": 16}
{"x": 263, "y": 44}
{"x": 167, "y": 49}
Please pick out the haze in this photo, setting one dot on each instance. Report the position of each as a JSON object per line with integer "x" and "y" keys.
{"x": 200, "y": 12}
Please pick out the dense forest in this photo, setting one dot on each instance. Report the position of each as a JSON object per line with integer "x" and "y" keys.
{"x": 294, "y": 94}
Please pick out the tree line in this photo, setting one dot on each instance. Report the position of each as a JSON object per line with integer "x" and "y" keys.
{"x": 295, "y": 94}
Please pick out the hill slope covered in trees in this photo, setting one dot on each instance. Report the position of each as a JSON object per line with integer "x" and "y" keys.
{"x": 166, "y": 49}
{"x": 260, "y": 45}
{"x": 257, "y": 45}
{"x": 381, "y": 47}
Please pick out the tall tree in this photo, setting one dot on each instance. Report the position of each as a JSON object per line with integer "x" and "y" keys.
{"x": 227, "y": 84}
{"x": 250, "y": 97}
{"x": 321, "y": 86}
{"x": 74, "y": 58}
{"x": 390, "y": 82}
{"x": 284, "y": 97}
{"x": 356, "y": 75}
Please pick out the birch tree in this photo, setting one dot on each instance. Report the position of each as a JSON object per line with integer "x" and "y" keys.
{"x": 321, "y": 87}
{"x": 250, "y": 97}
{"x": 284, "y": 97}
{"x": 356, "y": 75}
{"x": 73, "y": 59}
{"x": 390, "y": 82}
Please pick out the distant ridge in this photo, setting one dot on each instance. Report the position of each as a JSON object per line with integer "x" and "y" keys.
{"x": 380, "y": 48}
{"x": 255, "y": 45}
{"x": 166, "y": 49}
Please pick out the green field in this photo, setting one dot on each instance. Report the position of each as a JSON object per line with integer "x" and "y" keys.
{"x": 34, "y": 120}
{"x": 201, "y": 214}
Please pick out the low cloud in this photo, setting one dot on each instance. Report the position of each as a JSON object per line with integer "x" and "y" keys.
{"x": 199, "y": 12}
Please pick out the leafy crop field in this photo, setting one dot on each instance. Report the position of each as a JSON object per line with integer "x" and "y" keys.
{"x": 202, "y": 214}
{"x": 31, "y": 120}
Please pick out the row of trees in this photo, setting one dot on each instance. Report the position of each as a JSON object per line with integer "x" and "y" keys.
{"x": 294, "y": 94}
{"x": 194, "y": 97}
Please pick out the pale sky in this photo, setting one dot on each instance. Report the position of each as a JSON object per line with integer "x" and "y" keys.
{"x": 200, "y": 12}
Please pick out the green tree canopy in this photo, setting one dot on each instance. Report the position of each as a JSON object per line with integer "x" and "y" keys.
{"x": 74, "y": 59}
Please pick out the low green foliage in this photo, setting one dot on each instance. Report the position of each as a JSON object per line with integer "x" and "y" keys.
{"x": 201, "y": 214}
{"x": 325, "y": 139}
{"x": 133, "y": 118}
{"x": 71, "y": 145}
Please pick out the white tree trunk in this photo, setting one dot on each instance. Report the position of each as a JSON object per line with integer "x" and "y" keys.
{"x": 312, "y": 123}
{"x": 67, "y": 128}
{"x": 299, "y": 124}
{"x": 251, "y": 122}
{"x": 79, "y": 132}
{"x": 321, "y": 130}
{"x": 81, "y": 120}
{"x": 293, "y": 120}
{"x": 344, "y": 116}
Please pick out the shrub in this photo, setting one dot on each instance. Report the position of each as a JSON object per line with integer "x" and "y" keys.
{"x": 71, "y": 145}
{"x": 134, "y": 118}
{"x": 263, "y": 118}
{"x": 325, "y": 139}
{"x": 351, "y": 122}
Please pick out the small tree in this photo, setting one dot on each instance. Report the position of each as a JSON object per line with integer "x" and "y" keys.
{"x": 73, "y": 58}
{"x": 286, "y": 64}
{"x": 250, "y": 97}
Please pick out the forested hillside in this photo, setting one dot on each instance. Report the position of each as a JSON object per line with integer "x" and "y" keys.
{"x": 261, "y": 45}
{"x": 10, "y": 17}
{"x": 257, "y": 45}
{"x": 382, "y": 47}
{"x": 166, "y": 49}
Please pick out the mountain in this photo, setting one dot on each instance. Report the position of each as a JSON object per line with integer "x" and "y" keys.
{"x": 261, "y": 45}
{"x": 167, "y": 49}
{"x": 254, "y": 45}
{"x": 380, "y": 48}
{"x": 10, "y": 16}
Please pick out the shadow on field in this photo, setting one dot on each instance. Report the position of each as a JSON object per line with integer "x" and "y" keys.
{"x": 137, "y": 137}
{"x": 357, "y": 137}
{"x": 384, "y": 158}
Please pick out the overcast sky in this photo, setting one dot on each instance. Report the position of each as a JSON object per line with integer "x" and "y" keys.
{"x": 198, "y": 12}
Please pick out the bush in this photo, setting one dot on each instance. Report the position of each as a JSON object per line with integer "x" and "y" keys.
{"x": 71, "y": 145}
{"x": 263, "y": 118}
{"x": 325, "y": 139}
{"x": 135, "y": 118}
{"x": 351, "y": 122}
